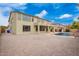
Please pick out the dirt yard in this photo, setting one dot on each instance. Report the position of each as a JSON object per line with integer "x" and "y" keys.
{"x": 38, "y": 45}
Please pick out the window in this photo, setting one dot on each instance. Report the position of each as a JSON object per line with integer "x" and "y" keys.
{"x": 40, "y": 20}
{"x": 43, "y": 28}
{"x": 19, "y": 16}
{"x": 26, "y": 18}
{"x": 26, "y": 28}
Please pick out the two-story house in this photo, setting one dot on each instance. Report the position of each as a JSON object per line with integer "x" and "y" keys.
{"x": 20, "y": 23}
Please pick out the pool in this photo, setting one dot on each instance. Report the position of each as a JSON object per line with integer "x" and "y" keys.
{"x": 64, "y": 34}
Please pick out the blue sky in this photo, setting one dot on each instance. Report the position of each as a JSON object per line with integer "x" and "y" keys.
{"x": 62, "y": 13}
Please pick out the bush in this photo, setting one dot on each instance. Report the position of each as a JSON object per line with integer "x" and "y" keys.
{"x": 3, "y": 28}
{"x": 75, "y": 25}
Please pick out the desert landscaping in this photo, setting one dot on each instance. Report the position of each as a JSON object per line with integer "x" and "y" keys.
{"x": 38, "y": 44}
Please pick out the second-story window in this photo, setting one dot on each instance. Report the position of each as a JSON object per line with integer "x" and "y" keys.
{"x": 19, "y": 16}
{"x": 26, "y": 18}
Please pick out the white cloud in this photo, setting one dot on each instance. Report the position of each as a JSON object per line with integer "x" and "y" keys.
{"x": 76, "y": 19}
{"x": 3, "y": 20}
{"x": 53, "y": 21}
{"x": 39, "y": 4}
{"x": 18, "y": 5}
{"x": 77, "y": 6}
{"x": 65, "y": 16}
{"x": 56, "y": 6}
{"x": 8, "y": 7}
{"x": 23, "y": 8}
{"x": 42, "y": 13}
{"x": 14, "y": 5}
{"x": 5, "y": 9}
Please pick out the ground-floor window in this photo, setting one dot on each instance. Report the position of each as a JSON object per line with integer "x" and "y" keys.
{"x": 67, "y": 30}
{"x": 26, "y": 28}
{"x": 55, "y": 30}
{"x": 43, "y": 28}
{"x": 60, "y": 30}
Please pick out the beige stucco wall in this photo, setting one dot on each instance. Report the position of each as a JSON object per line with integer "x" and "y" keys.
{"x": 20, "y": 23}
{"x": 17, "y": 26}
{"x": 12, "y": 23}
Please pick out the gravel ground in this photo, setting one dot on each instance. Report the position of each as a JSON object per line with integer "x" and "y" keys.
{"x": 38, "y": 45}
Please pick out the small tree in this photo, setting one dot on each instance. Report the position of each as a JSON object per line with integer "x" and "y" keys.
{"x": 51, "y": 28}
{"x": 3, "y": 28}
{"x": 75, "y": 25}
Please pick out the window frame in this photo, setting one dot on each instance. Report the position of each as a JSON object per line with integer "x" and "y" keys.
{"x": 26, "y": 28}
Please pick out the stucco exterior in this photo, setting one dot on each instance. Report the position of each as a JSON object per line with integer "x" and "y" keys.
{"x": 16, "y": 22}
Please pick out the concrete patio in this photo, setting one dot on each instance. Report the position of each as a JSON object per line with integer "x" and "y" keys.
{"x": 38, "y": 45}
